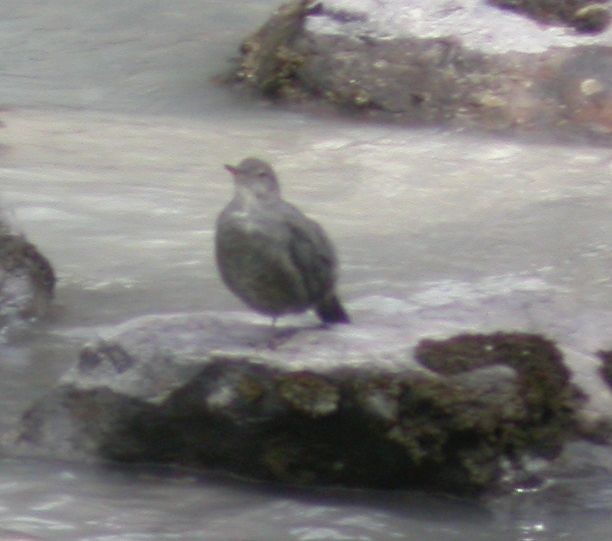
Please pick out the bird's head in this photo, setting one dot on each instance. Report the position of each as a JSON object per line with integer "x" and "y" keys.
{"x": 255, "y": 177}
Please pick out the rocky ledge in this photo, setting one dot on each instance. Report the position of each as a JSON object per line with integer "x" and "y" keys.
{"x": 314, "y": 406}
{"x": 533, "y": 65}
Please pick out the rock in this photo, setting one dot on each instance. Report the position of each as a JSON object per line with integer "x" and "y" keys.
{"x": 27, "y": 279}
{"x": 583, "y": 15}
{"x": 542, "y": 377}
{"x": 324, "y": 407}
{"x": 606, "y": 367}
{"x": 465, "y": 63}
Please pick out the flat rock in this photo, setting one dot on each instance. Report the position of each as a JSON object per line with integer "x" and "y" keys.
{"x": 465, "y": 63}
{"x": 354, "y": 405}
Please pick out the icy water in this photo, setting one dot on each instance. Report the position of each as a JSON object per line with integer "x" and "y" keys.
{"x": 111, "y": 162}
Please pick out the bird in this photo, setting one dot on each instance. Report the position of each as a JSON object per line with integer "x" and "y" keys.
{"x": 272, "y": 256}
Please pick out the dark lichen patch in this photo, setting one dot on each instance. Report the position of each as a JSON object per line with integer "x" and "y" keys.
{"x": 251, "y": 389}
{"x": 425, "y": 413}
{"x": 523, "y": 352}
{"x": 282, "y": 82}
{"x": 308, "y": 393}
{"x": 584, "y": 15}
{"x": 285, "y": 462}
{"x": 305, "y": 461}
{"x": 440, "y": 431}
{"x": 444, "y": 427}
{"x": 543, "y": 380}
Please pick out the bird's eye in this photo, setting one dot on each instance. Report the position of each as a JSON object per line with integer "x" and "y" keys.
{"x": 261, "y": 174}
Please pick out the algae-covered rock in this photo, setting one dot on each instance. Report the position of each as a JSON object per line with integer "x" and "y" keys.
{"x": 465, "y": 63}
{"x": 543, "y": 380}
{"x": 325, "y": 406}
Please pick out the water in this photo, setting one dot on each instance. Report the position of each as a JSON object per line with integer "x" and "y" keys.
{"x": 111, "y": 162}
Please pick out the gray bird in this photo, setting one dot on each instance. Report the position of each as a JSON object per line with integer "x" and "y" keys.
{"x": 269, "y": 254}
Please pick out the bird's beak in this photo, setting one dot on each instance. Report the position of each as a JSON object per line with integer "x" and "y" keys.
{"x": 232, "y": 169}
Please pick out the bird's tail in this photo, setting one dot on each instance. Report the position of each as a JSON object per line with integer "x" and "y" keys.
{"x": 330, "y": 310}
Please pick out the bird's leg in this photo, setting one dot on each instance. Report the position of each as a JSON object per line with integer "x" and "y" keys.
{"x": 272, "y": 342}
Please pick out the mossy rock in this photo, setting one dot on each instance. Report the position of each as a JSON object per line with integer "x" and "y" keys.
{"x": 549, "y": 400}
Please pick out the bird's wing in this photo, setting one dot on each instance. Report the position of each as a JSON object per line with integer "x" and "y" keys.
{"x": 256, "y": 265}
{"x": 312, "y": 253}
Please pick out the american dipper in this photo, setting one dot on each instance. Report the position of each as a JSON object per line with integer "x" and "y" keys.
{"x": 269, "y": 254}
